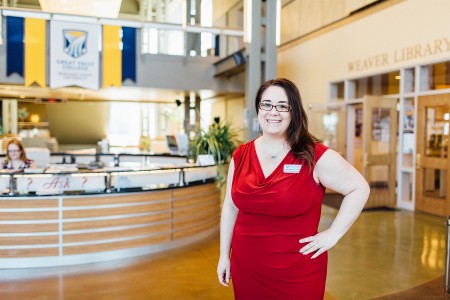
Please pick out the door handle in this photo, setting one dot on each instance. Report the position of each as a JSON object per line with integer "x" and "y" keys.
{"x": 418, "y": 161}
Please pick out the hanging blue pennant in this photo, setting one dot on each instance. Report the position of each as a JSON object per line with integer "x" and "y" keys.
{"x": 129, "y": 53}
{"x": 14, "y": 45}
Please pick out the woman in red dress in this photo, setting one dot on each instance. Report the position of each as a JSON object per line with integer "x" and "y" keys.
{"x": 272, "y": 206}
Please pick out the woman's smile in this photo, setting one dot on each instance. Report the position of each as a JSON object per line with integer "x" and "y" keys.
{"x": 273, "y": 121}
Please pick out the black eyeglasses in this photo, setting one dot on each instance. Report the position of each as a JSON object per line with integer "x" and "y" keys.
{"x": 281, "y": 107}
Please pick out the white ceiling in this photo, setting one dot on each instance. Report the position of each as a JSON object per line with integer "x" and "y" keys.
{"x": 97, "y": 8}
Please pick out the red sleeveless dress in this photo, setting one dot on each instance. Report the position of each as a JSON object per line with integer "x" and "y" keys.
{"x": 274, "y": 213}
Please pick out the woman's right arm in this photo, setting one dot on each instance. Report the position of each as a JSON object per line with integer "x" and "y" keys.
{"x": 229, "y": 214}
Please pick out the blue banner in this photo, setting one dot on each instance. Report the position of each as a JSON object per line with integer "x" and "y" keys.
{"x": 129, "y": 53}
{"x": 14, "y": 45}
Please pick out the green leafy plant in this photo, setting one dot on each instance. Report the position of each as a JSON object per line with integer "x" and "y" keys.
{"x": 220, "y": 140}
{"x": 22, "y": 113}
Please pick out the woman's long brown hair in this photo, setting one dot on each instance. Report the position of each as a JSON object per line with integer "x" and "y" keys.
{"x": 23, "y": 155}
{"x": 297, "y": 135}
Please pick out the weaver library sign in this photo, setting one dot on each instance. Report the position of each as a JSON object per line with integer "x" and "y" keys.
{"x": 404, "y": 54}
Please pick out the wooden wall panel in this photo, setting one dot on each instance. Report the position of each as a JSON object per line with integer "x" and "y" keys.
{"x": 23, "y": 228}
{"x": 147, "y": 241}
{"x": 190, "y": 211}
{"x": 194, "y": 220}
{"x": 194, "y": 190}
{"x": 167, "y": 215}
{"x": 38, "y": 203}
{"x": 29, "y": 240}
{"x": 117, "y": 199}
{"x": 195, "y": 200}
{"x": 117, "y": 222}
{"x": 37, "y": 252}
{"x": 195, "y": 229}
{"x": 113, "y": 234}
{"x": 35, "y": 215}
{"x": 159, "y": 206}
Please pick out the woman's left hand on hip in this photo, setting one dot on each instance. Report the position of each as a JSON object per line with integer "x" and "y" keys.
{"x": 319, "y": 243}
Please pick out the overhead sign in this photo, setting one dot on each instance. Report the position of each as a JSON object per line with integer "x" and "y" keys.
{"x": 74, "y": 55}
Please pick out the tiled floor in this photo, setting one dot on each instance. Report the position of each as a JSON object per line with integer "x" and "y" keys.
{"x": 384, "y": 252}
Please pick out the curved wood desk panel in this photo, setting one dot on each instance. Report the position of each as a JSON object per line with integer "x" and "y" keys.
{"x": 64, "y": 230}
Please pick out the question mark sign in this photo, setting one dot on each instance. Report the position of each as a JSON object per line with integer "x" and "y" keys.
{"x": 30, "y": 181}
{"x": 84, "y": 181}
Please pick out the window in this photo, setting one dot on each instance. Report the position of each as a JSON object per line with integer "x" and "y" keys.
{"x": 438, "y": 76}
{"x": 337, "y": 91}
{"x": 383, "y": 84}
{"x": 124, "y": 125}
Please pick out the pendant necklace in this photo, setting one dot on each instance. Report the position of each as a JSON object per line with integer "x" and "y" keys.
{"x": 273, "y": 156}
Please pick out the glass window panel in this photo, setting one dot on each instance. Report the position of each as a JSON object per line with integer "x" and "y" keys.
{"x": 234, "y": 44}
{"x": 330, "y": 121}
{"x": 1, "y": 31}
{"x": 358, "y": 139}
{"x": 408, "y": 138}
{"x": 407, "y": 159}
{"x": 434, "y": 183}
{"x": 391, "y": 83}
{"x": 380, "y": 131}
{"x": 337, "y": 91}
{"x": 207, "y": 44}
{"x": 124, "y": 124}
{"x": 408, "y": 121}
{"x": 436, "y": 131}
{"x": 378, "y": 177}
{"x": 409, "y": 80}
{"x": 383, "y": 84}
{"x": 440, "y": 76}
{"x": 407, "y": 186}
{"x": 436, "y": 76}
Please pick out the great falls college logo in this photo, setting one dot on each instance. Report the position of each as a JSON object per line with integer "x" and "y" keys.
{"x": 75, "y": 42}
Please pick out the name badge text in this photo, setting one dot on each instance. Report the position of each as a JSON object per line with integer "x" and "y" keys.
{"x": 292, "y": 168}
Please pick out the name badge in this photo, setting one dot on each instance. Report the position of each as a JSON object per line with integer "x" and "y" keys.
{"x": 292, "y": 168}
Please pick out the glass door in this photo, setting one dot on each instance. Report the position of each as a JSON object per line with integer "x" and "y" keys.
{"x": 328, "y": 124}
{"x": 432, "y": 160}
{"x": 379, "y": 150}
{"x": 354, "y": 138}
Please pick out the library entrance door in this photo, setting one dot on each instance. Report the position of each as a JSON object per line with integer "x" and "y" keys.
{"x": 432, "y": 159}
{"x": 379, "y": 150}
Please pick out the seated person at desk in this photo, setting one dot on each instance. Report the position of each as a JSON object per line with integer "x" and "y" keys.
{"x": 16, "y": 158}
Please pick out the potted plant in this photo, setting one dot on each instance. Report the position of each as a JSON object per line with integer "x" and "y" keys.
{"x": 22, "y": 114}
{"x": 220, "y": 140}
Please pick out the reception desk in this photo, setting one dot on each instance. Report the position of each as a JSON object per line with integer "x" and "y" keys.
{"x": 75, "y": 222}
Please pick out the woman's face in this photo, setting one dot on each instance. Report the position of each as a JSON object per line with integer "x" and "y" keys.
{"x": 14, "y": 151}
{"x": 273, "y": 121}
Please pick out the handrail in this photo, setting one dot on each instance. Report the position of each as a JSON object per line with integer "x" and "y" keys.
{"x": 108, "y": 175}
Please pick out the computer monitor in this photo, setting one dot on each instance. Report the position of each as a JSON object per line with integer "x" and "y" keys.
{"x": 172, "y": 144}
{"x": 183, "y": 144}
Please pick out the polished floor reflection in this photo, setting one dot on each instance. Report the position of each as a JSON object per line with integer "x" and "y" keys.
{"x": 384, "y": 252}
